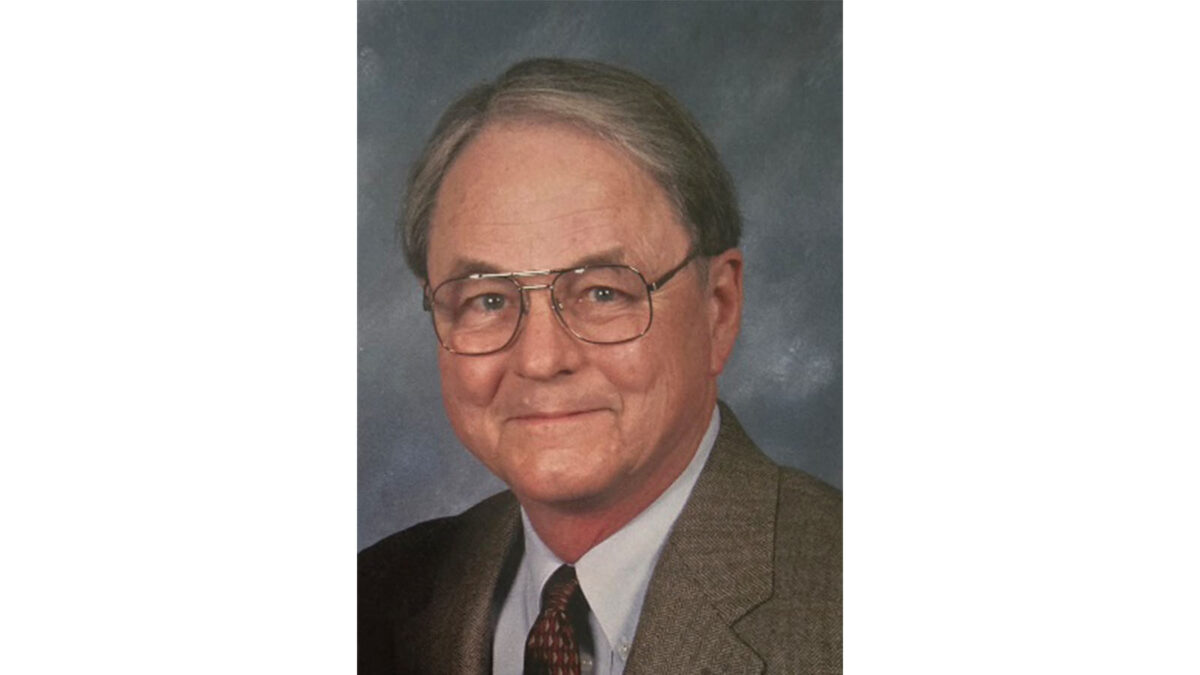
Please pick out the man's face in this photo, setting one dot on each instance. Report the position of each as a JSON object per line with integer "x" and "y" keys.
{"x": 561, "y": 421}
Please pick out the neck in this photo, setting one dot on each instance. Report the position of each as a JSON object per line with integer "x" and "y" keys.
{"x": 572, "y": 529}
{"x": 572, "y": 533}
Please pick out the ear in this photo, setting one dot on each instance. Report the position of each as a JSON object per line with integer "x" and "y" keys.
{"x": 725, "y": 306}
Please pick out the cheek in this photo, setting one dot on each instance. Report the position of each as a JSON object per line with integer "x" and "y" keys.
{"x": 468, "y": 382}
{"x": 645, "y": 373}
{"x": 631, "y": 367}
{"x": 663, "y": 366}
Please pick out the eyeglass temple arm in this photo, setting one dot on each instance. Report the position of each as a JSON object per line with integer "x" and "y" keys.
{"x": 667, "y": 277}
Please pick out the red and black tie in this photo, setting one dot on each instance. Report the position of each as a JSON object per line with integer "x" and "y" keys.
{"x": 553, "y": 644}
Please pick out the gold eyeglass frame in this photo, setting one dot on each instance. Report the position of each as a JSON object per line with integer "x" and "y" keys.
{"x": 651, "y": 288}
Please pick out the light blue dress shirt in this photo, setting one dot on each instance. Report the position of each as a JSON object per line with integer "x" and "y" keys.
{"x": 614, "y": 576}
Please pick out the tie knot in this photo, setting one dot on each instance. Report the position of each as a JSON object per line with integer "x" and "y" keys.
{"x": 560, "y": 589}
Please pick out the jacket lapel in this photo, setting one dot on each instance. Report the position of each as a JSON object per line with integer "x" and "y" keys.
{"x": 716, "y": 566}
{"x": 461, "y": 624}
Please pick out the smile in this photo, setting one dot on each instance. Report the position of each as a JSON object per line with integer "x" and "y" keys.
{"x": 555, "y": 416}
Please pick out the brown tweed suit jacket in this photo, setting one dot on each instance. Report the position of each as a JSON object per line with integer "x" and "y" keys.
{"x": 750, "y": 580}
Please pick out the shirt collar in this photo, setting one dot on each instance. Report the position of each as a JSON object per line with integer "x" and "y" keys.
{"x": 615, "y": 573}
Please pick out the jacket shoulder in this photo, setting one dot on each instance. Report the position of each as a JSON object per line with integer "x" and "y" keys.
{"x": 398, "y": 575}
{"x": 407, "y": 548}
{"x": 406, "y": 557}
{"x": 808, "y": 537}
{"x": 800, "y": 628}
{"x": 413, "y": 557}
{"x": 811, "y": 501}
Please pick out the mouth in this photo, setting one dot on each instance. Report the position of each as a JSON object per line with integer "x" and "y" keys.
{"x": 544, "y": 417}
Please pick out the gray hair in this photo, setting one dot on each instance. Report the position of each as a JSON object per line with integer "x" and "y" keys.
{"x": 614, "y": 104}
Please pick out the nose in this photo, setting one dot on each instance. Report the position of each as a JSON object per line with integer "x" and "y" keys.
{"x": 544, "y": 349}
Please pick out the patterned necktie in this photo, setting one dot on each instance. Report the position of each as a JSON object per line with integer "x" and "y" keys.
{"x": 553, "y": 647}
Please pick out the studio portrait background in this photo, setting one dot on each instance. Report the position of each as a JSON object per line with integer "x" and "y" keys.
{"x": 764, "y": 81}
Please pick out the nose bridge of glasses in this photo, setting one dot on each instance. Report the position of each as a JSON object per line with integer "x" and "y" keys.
{"x": 527, "y": 308}
{"x": 524, "y": 288}
{"x": 527, "y": 303}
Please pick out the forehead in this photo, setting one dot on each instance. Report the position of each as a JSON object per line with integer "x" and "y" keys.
{"x": 536, "y": 195}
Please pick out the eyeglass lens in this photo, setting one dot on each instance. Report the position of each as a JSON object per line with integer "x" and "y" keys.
{"x": 604, "y": 304}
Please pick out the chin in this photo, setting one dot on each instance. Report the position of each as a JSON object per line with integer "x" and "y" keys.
{"x": 552, "y": 468}
{"x": 564, "y": 489}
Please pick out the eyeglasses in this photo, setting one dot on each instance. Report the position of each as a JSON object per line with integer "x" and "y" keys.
{"x": 602, "y": 304}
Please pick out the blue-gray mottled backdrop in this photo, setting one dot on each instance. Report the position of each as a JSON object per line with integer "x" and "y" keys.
{"x": 765, "y": 82}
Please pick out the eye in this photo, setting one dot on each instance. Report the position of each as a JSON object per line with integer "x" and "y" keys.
{"x": 486, "y": 302}
{"x": 602, "y": 294}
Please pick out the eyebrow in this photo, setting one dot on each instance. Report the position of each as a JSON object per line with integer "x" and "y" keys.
{"x": 462, "y": 267}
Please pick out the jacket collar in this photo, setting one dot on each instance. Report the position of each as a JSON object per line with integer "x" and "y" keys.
{"x": 472, "y": 587}
{"x": 716, "y": 566}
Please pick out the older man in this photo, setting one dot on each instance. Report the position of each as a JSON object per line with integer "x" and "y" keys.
{"x": 576, "y": 236}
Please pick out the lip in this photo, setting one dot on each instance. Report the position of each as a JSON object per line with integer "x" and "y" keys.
{"x": 541, "y": 417}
